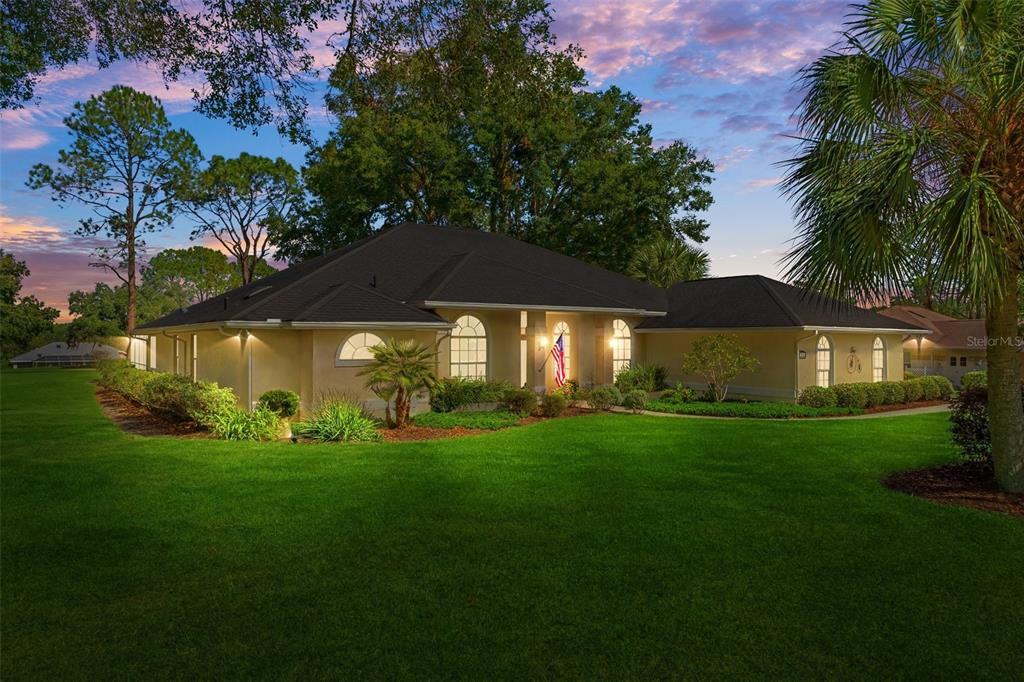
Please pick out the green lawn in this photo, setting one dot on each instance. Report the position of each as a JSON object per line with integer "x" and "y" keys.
{"x": 603, "y": 546}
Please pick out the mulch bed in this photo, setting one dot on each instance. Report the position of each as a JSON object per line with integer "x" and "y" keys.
{"x": 138, "y": 420}
{"x": 904, "y": 406}
{"x": 959, "y": 485}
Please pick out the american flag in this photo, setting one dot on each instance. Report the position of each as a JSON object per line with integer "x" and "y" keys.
{"x": 558, "y": 353}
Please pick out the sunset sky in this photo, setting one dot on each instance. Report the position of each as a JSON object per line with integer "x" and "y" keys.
{"x": 718, "y": 75}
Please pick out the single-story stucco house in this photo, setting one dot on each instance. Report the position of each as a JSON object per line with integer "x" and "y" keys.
{"x": 492, "y": 306}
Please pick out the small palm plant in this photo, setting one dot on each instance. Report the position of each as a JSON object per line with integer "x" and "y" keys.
{"x": 401, "y": 369}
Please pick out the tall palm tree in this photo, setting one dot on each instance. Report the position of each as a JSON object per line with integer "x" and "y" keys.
{"x": 912, "y": 128}
{"x": 664, "y": 261}
{"x": 400, "y": 369}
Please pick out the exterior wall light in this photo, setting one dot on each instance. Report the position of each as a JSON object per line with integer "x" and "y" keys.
{"x": 803, "y": 355}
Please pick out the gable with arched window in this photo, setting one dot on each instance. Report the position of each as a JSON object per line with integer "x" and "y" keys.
{"x": 823, "y": 362}
{"x": 562, "y": 329}
{"x": 879, "y": 370}
{"x": 622, "y": 346}
{"x": 469, "y": 348}
{"x": 355, "y": 350}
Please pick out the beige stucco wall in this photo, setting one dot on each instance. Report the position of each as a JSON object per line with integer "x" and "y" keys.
{"x": 781, "y": 374}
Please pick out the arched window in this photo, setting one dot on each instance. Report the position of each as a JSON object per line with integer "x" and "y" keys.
{"x": 469, "y": 348}
{"x": 562, "y": 329}
{"x": 622, "y": 346}
{"x": 878, "y": 364}
{"x": 824, "y": 362}
{"x": 356, "y": 349}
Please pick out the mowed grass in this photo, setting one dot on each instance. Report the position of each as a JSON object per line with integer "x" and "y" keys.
{"x": 608, "y": 546}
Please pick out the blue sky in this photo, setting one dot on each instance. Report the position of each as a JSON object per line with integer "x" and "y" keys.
{"x": 718, "y": 75}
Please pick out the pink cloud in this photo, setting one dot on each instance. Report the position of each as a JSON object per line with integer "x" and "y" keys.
{"x": 725, "y": 40}
{"x": 762, "y": 183}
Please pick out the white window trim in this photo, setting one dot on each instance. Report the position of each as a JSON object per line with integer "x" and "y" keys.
{"x": 616, "y": 340}
{"x": 360, "y": 362}
{"x": 487, "y": 348}
{"x": 831, "y": 360}
{"x": 885, "y": 359}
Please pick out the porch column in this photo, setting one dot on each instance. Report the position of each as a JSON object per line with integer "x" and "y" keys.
{"x": 537, "y": 347}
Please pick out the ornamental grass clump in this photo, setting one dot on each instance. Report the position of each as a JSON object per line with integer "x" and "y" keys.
{"x": 335, "y": 419}
{"x": 259, "y": 424}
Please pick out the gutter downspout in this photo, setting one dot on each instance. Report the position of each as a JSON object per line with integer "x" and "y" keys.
{"x": 796, "y": 363}
{"x": 176, "y": 341}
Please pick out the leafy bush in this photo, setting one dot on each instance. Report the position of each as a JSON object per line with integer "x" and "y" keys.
{"x": 894, "y": 393}
{"x": 571, "y": 390}
{"x": 817, "y": 396}
{"x": 168, "y": 394}
{"x": 124, "y": 378}
{"x": 943, "y": 386}
{"x": 235, "y": 424}
{"x": 929, "y": 388}
{"x": 604, "y": 397}
{"x": 553, "y": 404}
{"x": 284, "y": 403}
{"x": 751, "y": 410}
{"x": 644, "y": 377}
{"x": 451, "y": 393}
{"x": 635, "y": 400}
{"x": 851, "y": 395}
{"x": 337, "y": 420}
{"x": 521, "y": 401}
{"x": 493, "y": 420}
{"x": 976, "y": 379}
{"x": 719, "y": 358}
{"x": 913, "y": 389}
{"x": 681, "y": 393}
{"x": 969, "y": 418}
{"x": 875, "y": 393}
{"x": 207, "y": 400}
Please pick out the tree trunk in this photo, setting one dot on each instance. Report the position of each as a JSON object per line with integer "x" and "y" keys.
{"x": 131, "y": 283}
{"x": 1005, "y": 412}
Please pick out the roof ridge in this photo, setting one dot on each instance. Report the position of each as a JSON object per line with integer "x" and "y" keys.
{"x": 330, "y": 262}
{"x": 763, "y": 281}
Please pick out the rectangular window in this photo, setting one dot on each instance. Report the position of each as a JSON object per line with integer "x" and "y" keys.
{"x": 952, "y": 361}
{"x": 963, "y": 362}
{"x": 139, "y": 351}
{"x": 195, "y": 357}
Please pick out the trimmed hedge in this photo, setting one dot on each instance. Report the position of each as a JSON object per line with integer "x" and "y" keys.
{"x": 492, "y": 421}
{"x": 171, "y": 395}
{"x": 975, "y": 379}
{"x": 451, "y": 393}
{"x": 766, "y": 410}
{"x": 817, "y": 396}
{"x": 284, "y": 403}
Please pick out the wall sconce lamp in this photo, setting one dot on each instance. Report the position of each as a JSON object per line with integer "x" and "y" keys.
{"x": 542, "y": 342}
{"x": 803, "y": 355}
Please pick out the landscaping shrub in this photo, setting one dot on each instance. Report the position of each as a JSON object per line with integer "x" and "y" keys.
{"x": 976, "y": 379}
{"x": 207, "y": 400}
{"x": 284, "y": 403}
{"x": 337, "y": 420}
{"x": 719, "y": 358}
{"x": 521, "y": 401}
{"x": 553, "y": 404}
{"x": 571, "y": 390}
{"x": 913, "y": 389}
{"x": 894, "y": 393}
{"x": 451, "y": 393}
{"x": 875, "y": 393}
{"x": 644, "y": 377}
{"x": 751, "y": 410}
{"x": 124, "y": 378}
{"x": 851, "y": 395}
{"x": 680, "y": 393}
{"x": 929, "y": 388}
{"x": 969, "y": 419}
{"x": 168, "y": 394}
{"x": 235, "y": 424}
{"x": 604, "y": 397}
{"x": 492, "y": 420}
{"x": 818, "y": 396}
{"x": 635, "y": 400}
{"x": 943, "y": 385}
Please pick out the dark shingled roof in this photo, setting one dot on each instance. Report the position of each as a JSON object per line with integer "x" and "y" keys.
{"x": 388, "y": 277}
{"x": 757, "y": 301}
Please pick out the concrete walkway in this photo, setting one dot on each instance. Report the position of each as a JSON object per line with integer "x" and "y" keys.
{"x": 930, "y": 409}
